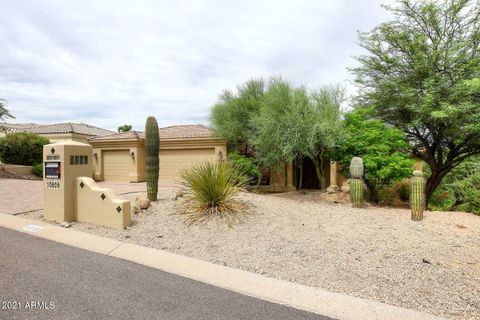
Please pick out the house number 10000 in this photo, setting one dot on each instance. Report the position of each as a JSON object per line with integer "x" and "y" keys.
{"x": 53, "y": 185}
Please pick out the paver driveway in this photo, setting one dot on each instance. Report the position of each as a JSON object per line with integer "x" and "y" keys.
{"x": 18, "y": 196}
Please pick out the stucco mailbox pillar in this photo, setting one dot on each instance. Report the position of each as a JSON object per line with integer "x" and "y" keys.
{"x": 63, "y": 163}
{"x": 70, "y": 194}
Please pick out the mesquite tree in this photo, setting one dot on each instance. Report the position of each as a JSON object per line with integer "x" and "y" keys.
{"x": 422, "y": 75}
{"x": 152, "y": 143}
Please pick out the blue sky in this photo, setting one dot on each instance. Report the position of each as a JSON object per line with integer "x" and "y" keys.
{"x": 109, "y": 63}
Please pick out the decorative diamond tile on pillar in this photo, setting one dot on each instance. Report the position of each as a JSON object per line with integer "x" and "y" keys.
{"x": 119, "y": 209}
{"x": 103, "y": 196}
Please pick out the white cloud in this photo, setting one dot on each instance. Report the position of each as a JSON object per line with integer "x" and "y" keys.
{"x": 113, "y": 62}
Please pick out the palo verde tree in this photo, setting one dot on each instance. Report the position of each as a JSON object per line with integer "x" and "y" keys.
{"x": 293, "y": 124}
{"x": 421, "y": 73}
{"x": 232, "y": 115}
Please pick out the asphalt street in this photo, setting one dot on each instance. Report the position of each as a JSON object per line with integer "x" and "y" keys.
{"x": 42, "y": 279}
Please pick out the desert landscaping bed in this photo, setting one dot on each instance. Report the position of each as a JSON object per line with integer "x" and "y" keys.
{"x": 373, "y": 253}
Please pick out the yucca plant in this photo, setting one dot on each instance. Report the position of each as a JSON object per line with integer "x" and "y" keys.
{"x": 210, "y": 192}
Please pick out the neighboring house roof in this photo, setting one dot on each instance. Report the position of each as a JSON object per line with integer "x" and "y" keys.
{"x": 15, "y": 127}
{"x": 68, "y": 127}
{"x": 172, "y": 132}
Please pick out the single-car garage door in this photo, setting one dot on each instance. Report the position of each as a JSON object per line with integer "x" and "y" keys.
{"x": 117, "y": 165}
{"x": 173, "y": 161}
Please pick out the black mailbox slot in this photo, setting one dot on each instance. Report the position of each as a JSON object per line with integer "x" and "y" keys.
{"x": 52, "y": 170}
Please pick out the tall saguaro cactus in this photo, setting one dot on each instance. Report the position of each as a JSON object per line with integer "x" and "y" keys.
{"x": 356, "y": 182}
{"x": 152, "y": 143}
{"x": 417, "y": 195}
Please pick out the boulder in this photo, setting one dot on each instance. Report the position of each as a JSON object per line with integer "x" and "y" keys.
{"x": 143, "y": 202}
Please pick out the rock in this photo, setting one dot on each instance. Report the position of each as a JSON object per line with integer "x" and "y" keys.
{"x": 136, "y": 209}
{"x": 127, "y": 236}
{"x": 426, "y": 261}
{"x": 143, "y": 202}
{"x": 65, "y": 224}
{"x": 179, "y": 194}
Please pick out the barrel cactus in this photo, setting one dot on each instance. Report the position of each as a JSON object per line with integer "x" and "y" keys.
{"x": 356, "y": 168}
{"x": 417, "y": 195}
{"x": 152, "y": 143}
{"x": 356, "y": 182}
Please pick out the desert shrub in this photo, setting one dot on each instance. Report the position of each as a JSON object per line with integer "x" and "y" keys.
{"x": 442, "y": 200}
{"x": 402, "y": 189}
{"x": 210, "y": 192}
{"x": 38, "y": 169}
{"x": 386, "y": 196}
{"x": 468, "y": 191}
{"x": 246, "y": 165}
{"x": 22, "y": 148}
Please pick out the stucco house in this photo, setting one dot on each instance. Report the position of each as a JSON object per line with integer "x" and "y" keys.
{"x": 121, "y": 156}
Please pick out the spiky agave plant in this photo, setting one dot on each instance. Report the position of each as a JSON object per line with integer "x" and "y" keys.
{"x": 210, "y": 192}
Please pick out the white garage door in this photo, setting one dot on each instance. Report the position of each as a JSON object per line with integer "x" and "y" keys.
{"x": 117, "y": 165}
{"x": 173, "y": 161}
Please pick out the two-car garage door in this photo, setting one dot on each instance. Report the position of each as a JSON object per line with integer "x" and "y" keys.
{"x": 173, "y": 161}
{"x": 117, "y": 164}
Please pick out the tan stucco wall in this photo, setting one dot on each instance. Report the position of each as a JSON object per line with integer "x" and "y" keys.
{"x": 109, "y": 211}
{"x": 16, "y": 168}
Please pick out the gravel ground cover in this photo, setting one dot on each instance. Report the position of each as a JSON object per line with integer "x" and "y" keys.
{"x": 373, "y": 253}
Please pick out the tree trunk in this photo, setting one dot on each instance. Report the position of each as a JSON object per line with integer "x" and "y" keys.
{"x": 432, "y": 183}
{"x": 319, "y": 170}
{"x": 300, "y": 180}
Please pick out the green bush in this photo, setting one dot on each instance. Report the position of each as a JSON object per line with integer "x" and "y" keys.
{"x": 210, "y": 192}
{"x": 386, "y": 196}
{"x": 468, "y": 190}
{"x": 38, "y": 170}
{"x": 22, "y": 148}
{"x": 403, "y": 190}
{"x": 442, "y": 200}
{"x": 246, "y": 165}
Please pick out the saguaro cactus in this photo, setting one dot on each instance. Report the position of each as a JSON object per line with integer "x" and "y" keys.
{"x": 152, "y": 143}
{"x": 356, "y": 183}
{"x": 417, "y": 195}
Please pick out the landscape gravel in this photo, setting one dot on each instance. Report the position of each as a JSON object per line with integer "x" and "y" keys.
{"x": 373, "y": 253}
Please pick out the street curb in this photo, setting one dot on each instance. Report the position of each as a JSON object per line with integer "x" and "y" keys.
{"x": 331, "y": 304}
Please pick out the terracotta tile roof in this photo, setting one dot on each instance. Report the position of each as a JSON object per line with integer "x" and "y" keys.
{"x": 186, "y": 131}
{"x": 69, "y": 127}
{"x": 172, "y": 132}
{"x": 15, "y": 127}
{"x": 129, "y": 135}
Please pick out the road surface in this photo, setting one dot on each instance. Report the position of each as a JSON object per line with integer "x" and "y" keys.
{"x": 43, "y": 279}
